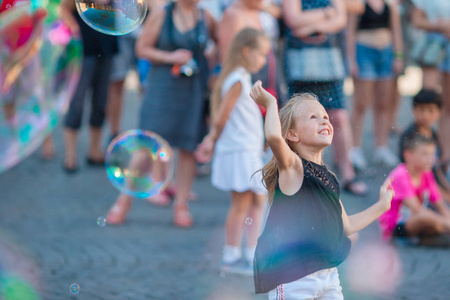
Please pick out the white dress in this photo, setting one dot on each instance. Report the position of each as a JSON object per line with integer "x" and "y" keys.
{"x": 239, "y": 150}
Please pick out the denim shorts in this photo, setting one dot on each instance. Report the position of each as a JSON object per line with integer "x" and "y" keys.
{"x": 323, "y": 284}
{"x": 373, "y": 63}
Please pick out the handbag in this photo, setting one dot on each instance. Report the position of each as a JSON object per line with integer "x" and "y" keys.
{"x": 428, "y": 50}
{"x": 314, "y": 64}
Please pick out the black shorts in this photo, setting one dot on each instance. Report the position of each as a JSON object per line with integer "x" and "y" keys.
{"x": 400, "y": 231}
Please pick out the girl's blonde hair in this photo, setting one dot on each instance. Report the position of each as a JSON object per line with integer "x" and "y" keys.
{"x": 247, "y": 37}
{"x": 287, "y": 119}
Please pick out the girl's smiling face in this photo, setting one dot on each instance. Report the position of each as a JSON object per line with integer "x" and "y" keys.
{"x": 312, "y": 125}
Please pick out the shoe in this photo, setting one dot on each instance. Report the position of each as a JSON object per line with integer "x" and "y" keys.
{"x": 238, "y": 267}
{"x": 356, "y": 187}
{"x": 95, "y": 162}
{"x": 384, "y": 156}
{"x": 182, "y": 217}
{"x": 118, "y": 213}
{"x": 162, "y": 199}
{"x": 357, "y": 159}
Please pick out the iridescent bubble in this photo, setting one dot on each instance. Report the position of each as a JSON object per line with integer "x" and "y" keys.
{"x": 74, "y": 288}
{"x": 222, "y": 274}
{"x": 139, "y": 163}
{"x": 116, "y": 17}
{"x": 38, "y": 75}
{"x": 101, "y": 221}
{"x": 248, "y": 221}
{"x": 8, "y": 6}
{"x": 19, "y": 278}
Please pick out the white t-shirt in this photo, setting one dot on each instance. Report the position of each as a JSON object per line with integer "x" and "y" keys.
{"x": 434, "y": 9}
{"x": 244, "y": 128}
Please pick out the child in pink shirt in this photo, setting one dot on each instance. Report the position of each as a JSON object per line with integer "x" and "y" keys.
{"x": 415, "y": 188}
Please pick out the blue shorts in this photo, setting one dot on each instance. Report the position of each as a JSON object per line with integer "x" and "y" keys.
{"x": 374, "y": 64}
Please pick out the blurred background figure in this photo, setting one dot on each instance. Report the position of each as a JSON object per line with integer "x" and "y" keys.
{"x": 375, "y": 54}
{"x": 432, "y": 52}
{"x": 314, "y": 63}
{"x": 98, "y": 50}
{"x": 174, "y": 40}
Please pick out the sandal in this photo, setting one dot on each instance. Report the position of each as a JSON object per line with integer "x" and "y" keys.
{"x": 118, "y": 213}
{"x": 356, "y": 187}
{"x": 162, "y": 199}
{"x": 182, "y": 217}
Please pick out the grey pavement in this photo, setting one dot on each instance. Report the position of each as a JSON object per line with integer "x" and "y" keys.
{"x": 49, "y": 235}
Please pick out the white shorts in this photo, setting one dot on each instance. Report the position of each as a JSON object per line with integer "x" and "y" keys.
{"x": 323, "y": 285}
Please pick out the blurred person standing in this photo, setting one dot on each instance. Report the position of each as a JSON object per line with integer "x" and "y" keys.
{"x": 98, "y": 52}
{"x": 174, "y": 40}
{"x": 433, "y": 16}
{"x": 314, "y": 63}
{"x": 376, "y": 56}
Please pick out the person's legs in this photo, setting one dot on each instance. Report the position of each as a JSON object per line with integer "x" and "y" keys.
{"x": 75, "y": 112}
{"x": 444, "y": 122}
{"x": 364, "y": 90}
{"x": 342, "y": 142}
{"x": 99, "y": 99}
{"x": 382, "y": 101}
{"x": 186, "y": 169}
{"x": 114, "y": 106}
{"x": 393, "y": 108}
{"x": 48, "y": 148}
{"x": 253, "y": 229}
{"x": 427, "y": 223}
{"x": 239, "y": 210}
{"x": 361, "y": 101}
{"x": 70, "y": 143}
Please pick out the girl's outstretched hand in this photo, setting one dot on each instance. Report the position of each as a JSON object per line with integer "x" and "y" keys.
{"x": 386, "y": 194}
{"x": 205, "y": 150}
{"x": 261, "y": 96}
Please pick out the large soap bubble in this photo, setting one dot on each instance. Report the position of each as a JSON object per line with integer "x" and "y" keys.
{"x": 39, "y": 70}
{"x": 113, "y": 17}
{"x": 139, "y": 163}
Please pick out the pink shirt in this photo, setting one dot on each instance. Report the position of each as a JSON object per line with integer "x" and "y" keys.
{"x": 405, "y": 189}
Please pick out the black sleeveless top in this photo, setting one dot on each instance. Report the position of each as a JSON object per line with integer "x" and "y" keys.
{"x": 373, "y": 20}
{"x": 304, "y": 232}
{"x": 95, "y": 42}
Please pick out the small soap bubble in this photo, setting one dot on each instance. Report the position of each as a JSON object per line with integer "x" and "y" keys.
{"x": 139, "y": 163}
{"x": 8, "y": 6}
{"x": 101, "y": 221}
{"x": 248, "y": 221}
{"x": 74, "y": 288}
{"x": 222, "y": 274}
{"x": 112, "y": 17}
{"x": 331, "y": 99}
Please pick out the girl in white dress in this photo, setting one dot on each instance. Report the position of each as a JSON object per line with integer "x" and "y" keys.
{"x": 236, "y": 139}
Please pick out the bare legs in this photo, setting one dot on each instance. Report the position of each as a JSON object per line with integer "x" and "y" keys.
{"x": 114, "y": 106}
{"x": 186, "y": 171}
{"x": 243, "y": 205}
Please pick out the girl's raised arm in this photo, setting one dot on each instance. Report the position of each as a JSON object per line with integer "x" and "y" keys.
{"x": 285, "y": 157}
